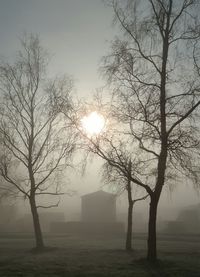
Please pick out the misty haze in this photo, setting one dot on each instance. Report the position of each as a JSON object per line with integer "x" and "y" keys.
{"x": 99, "y": 138}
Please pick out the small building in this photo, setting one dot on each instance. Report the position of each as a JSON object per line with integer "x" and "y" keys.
{"x": 190, "y": 217}
{"x": 187, "y": 221}
{"x": 98, "y": 217}
{"x": 99, "y": 206}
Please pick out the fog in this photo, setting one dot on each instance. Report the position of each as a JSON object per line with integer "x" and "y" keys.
{"x": 57, "y": 213}
{"x": 173, "y": 201}
{"x": 65, "y": 30}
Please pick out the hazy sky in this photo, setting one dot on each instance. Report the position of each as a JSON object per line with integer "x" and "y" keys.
{"x": 75, "y": 32}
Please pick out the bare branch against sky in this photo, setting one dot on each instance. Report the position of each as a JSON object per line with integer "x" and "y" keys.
{"x": 36, "y": 144}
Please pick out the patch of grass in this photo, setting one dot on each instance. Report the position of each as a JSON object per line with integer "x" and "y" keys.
{"x": 172, "y": 267}
{"x": 79, "y": 258}
{"x": 96, "y": 263}
{"x": 45, "y": 249}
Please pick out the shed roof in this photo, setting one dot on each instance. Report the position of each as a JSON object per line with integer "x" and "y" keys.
{"x": 98, "y": 193}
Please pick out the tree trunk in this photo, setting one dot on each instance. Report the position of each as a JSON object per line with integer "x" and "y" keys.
{"x": 129, "y": 227}
{"x": 36, "y": 225}
{"x": 152, "y": 248}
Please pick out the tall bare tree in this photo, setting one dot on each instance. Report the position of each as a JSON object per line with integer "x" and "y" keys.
{"x": 36, "y": 143}
{"x": 154, "y": 71}
{"x": 153, "y": 74}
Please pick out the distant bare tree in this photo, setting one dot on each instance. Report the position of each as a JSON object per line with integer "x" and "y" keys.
{"x": 122, "y": 182}
{"x": 36, "y": 142}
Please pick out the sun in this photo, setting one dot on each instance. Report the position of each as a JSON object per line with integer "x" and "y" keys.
{"x": 93, "y": 124}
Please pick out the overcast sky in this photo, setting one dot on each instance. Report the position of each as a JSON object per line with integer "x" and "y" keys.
{"x": 75, "y": 32}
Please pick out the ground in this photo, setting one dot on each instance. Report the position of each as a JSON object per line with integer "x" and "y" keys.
{"x": 74, "y": 256}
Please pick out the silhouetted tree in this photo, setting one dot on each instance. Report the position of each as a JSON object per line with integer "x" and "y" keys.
{"x": 153, "y": 76}
{"x": 154, "y": 73}
{"x": 36, "y": 143}
{"x": 121, "y": 162}
{"x": 122, "y": 182}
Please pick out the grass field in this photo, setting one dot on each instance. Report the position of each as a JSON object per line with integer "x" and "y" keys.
{"x": 73, "y": 256}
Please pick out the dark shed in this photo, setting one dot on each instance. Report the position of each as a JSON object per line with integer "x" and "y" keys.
{"x": 99, "y": 206}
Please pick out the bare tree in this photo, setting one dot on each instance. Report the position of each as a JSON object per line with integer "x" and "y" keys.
{"x": 153, "y": 70}
{"x": 36, "y": 142}
{"x": 121, "y": 163}
{"x": 122, "y": 182}
{"x": 153, "y": 73}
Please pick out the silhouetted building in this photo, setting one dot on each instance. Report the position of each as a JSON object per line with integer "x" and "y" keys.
{"x": 187, "y": 222}
{"x": 99, "y": 206}
{"x": 98, "y": 217}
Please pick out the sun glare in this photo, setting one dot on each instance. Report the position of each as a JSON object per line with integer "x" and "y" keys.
{"x": 93, "y": 123}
